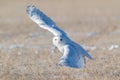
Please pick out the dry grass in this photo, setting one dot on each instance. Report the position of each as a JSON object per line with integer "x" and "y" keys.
{"x": 33, "y": 60}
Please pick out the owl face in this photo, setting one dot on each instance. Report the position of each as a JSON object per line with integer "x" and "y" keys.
{"x": 58, "y": 41}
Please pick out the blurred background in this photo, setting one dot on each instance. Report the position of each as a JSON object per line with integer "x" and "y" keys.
{"x": 25, "y": 49}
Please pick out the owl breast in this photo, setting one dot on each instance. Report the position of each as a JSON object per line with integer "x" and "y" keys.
{"x": 61, "y": 49}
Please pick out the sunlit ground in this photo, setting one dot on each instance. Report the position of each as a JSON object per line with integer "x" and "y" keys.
{"x": 25, "y": 49}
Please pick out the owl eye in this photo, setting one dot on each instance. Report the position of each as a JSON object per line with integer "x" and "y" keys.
{"x": 60, "y": 39}
{"x": 55, "y": 39}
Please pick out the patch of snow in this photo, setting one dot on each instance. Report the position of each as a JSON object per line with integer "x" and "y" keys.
{"x": 113, "y": 47}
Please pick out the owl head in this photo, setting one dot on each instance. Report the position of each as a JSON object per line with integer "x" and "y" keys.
{"x": 59, "y": 40}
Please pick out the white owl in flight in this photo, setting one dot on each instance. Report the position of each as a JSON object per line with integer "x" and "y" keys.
{"x": 73, "y": 53}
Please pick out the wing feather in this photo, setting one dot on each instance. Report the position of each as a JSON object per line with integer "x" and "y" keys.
{"x": 71, "y": 58}
{"x": 80, "y": 50}
{"x": 43, "y": 21}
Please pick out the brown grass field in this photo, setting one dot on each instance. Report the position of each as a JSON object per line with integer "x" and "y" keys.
{"x": 25, "y": 49}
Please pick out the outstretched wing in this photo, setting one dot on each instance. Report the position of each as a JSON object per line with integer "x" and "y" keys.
{"x": 43, "y": 21}
{"x": 84, "y": 52}
{"x": 71, "y": 58}
{"x": 81, "y": 50}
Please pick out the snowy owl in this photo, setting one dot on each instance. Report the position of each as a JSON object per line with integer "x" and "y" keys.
{"x": 73, "y": 53}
